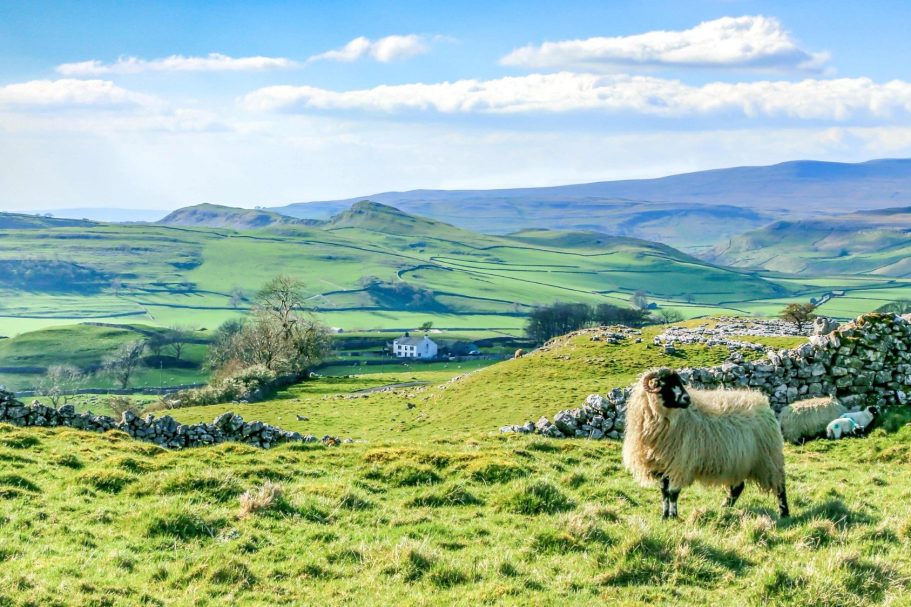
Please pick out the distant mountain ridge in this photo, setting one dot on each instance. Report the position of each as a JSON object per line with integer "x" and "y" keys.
{"x": 689, "y": 210}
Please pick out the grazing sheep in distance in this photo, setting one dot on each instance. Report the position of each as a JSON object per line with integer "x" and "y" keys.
{"x": 808, "y": 418}
{"x": 717, "y": 437}
{"x": 519, "y": 353}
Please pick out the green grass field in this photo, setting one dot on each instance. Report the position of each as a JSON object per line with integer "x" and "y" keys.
{"x": 85, "y": 347}
{"x": 444, "y": 510}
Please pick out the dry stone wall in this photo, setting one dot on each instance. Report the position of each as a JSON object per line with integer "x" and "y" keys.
{"x": 864, "y": 362}
{"x": 164, "y": 431}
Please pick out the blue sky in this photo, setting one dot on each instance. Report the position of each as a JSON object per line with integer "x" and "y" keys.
{"x": 160, "y": 105}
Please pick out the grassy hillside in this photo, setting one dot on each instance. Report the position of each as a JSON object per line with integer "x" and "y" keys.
{"x": 371, "y": 267}
{"x": 218, "y": 216}
{"x": 21, "y": 221}
{"x": 442, "y": 513}
{"x": 876, "y": 242}
{"x": 480, "y": 401}
{"x": 85, "y": 347}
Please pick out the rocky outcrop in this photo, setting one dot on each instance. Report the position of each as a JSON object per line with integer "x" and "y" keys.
{"x": 164, "y": 431}
{"x": 864, "y": 362}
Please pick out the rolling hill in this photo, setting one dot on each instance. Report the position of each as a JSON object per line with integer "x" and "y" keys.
{"x": 21, "y": 221}
{"x": 218, "y": 216}
{"x": 872, "y": 242}
{"x": 371, "y": 266}
{"x": 687, "y": 210}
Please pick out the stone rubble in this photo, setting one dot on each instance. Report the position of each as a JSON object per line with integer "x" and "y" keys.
{"x": 864, "y": 362}
{"x": 164, "y": 431}
{"x": 726, "y": 327}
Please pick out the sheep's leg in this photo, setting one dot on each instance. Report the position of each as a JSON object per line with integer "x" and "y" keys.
{"x": 665, "y": 498}
{"x": 672, "y": 495}
{"x": 734, "y": 492}
{"x": 783, "y": 510}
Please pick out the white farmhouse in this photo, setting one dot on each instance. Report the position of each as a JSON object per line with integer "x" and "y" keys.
{"x": 414, "y": 347}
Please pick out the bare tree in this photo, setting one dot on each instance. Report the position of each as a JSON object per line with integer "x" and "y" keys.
{"x": 58, "y": 381}
{"x": 639, "y": 300}
{"x": 157, "y": 342}
{"x": 178, "y": 338}
{"x": 278, "y": 334}
{"x": 281, "y": 298}
{"x": 236, "y": 297}
{"x": 124, "y": 361}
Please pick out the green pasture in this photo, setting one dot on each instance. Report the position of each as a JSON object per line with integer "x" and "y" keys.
{"x": 432, "y": 506}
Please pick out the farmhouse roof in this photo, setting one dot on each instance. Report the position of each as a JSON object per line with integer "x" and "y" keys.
{"x": 410, "y": 341}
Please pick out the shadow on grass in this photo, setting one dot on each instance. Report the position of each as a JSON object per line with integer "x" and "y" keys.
{"x": 833, "y": 510}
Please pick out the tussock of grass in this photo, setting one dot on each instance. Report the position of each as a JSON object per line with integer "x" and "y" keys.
{"x": 69, "y": 460}
{"x": 270, "y": 473}
{"x": 232, "y": 573}
{"x": 20, "y": 440}
{"x": 819, "y": 533}
{"x": 107, "y": 480}
{"x": 266, "y": 496}
{"x": 18, "y": 482}
{"x": 184, "y": 525}
{"x": 217, "y": 486}
{"x": 496, "y": 471}
{"x": 130, "y": 464}
{"x": 403, "y": 474}
{"x": 411, "y": 561}
{"x": 349, "y": 556}
{"x": 454, "y": 495}
{"x": 537, "y": 497}
{"x": 352, "y": 501}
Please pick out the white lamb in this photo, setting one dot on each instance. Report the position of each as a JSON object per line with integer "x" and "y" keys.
{"x": 851, "y": 424}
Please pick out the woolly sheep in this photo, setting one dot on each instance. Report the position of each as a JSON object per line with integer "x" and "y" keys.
{"x": 718, "y": 437}
{"x": 806, "y": 419}
{"x": 863, "y": 418}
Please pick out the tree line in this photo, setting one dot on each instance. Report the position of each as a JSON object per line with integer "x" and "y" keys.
{"x": 547, "y": 322}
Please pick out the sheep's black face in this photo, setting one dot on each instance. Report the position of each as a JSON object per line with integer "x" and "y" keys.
{"x": 874, "y": 411}
{"x": 671, "y": 390}
{"x": 674, "y": 394}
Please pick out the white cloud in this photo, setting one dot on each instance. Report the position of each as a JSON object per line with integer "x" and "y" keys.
{"x": 813, "y": 99}
{"x": 213, "y": 62}
{"x": 730, "y": 42}
{"x": 384, "y": 50}
{"x": 68, "y": 92}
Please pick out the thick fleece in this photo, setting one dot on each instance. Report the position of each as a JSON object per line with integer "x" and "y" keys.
{"x": 724, "y": 438}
